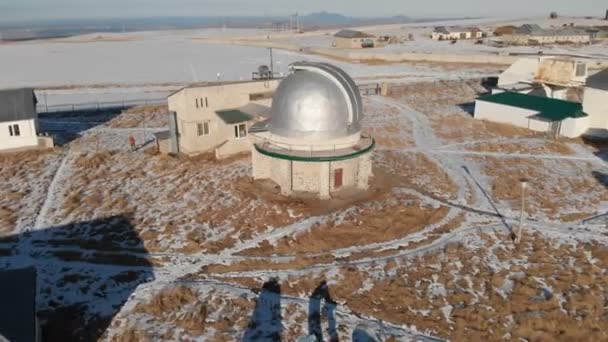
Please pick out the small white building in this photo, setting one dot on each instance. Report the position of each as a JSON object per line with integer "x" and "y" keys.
{"x": 456, "y": 33}
{"x": 18, "y": 119}
{"x": 541, "y": 114}
{"x": 312, "y": 143}
{"x": 215, "y": 118}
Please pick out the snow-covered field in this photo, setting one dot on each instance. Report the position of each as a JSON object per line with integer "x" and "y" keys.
{"x": 135, "y": 246}
{"x": 150, "y": 65}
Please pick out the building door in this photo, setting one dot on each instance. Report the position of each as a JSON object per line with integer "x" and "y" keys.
{"x": 338, "y": 178}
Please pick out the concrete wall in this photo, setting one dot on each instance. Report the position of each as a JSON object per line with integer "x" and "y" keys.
{"x": 312, "y": 177}
{"x": 506, "y": 114}
{"x": 199, "y": 104}
{"x": 574, "y": 128}
{"x": 27, "y": 138}
{"x": 595, "y": 103}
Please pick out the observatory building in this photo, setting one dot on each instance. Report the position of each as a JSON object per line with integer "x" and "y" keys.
{"x": 312, "y": 142}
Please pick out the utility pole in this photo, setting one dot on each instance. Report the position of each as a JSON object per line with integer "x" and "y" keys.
{"x": 524, "y": 184}
{"x": 271, "y": 64}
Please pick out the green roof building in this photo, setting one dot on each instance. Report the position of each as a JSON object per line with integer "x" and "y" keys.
{"x": 542, "y": 114}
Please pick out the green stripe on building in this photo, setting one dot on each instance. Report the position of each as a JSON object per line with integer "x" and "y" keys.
{"x": 548, "y": 108}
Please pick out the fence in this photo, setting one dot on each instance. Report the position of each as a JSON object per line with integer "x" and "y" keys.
{"x": 42, "y": 108}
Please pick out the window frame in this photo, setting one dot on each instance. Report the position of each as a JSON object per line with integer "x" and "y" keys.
{"x": 237, "y": 131}
{"x": 202, "y": 129}
{"x": 14, "y": 130}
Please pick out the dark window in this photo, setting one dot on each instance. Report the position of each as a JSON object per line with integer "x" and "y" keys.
{"x": 14, "y": 131}
{"x": 240, "y": 131}
{"x": 206, "y": 103}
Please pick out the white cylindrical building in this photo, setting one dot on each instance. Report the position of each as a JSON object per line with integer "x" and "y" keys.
{"x": 312, "y": 143}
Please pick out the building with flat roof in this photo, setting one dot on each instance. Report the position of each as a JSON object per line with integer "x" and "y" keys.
{"x": 541, "y": 114}
{"x": 312, "y": 142}
{"x": 533, "y": 34}
{"x": 351, "y": 39}
{"x": 215, "y": 118}
{"x": 456, "y": 33}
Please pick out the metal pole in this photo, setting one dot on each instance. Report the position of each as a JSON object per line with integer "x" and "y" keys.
{"x": 524, "y": 183}
{"x": 271, "y": 64}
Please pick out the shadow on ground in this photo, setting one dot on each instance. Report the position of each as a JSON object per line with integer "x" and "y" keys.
{"x": 67, "y": 126}
{"x": 86, "y": 271}
{"x": 266, "y": 321}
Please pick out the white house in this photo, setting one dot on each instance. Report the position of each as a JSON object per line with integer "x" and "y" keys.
{"x": 541, "y": 114}
{"x": 18, "y": 119}
{"x": 456, "y": 32}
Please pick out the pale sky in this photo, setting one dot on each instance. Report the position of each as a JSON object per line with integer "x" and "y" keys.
{"x": 26, "y": 10}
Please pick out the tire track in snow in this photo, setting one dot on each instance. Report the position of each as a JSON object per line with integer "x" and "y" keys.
{"x": 52, "y": 193}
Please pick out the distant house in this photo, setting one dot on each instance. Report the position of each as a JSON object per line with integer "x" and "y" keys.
{"x": 18, "y": 319}
{"x": 456, "y": 32}
{"x": 351, "y": 39}
{"x": 542, "y": 114}
{"x": 533, "y": 34}
{"x": 19, "y": 120}
{"x": 215, "y": 118}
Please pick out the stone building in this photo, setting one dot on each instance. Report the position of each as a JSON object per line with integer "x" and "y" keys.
{"x": 215, "y": 118}
{"x": 312, "y": 143}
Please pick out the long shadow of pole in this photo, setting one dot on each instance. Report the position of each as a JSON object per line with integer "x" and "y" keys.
{"x": 499, "y": 214}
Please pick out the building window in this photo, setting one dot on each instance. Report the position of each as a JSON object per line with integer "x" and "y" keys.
{"x": 206, "y": 103}
{"x": 202, "y": 128}
{"x": 14, "y": 130}
{"x": 196, "y": 102}
{"x": 580, "y": 69}
{"x": 240, "y": 131}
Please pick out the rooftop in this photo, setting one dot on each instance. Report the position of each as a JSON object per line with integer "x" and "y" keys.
{"x": 548, "y": 108}
{"x": 353, "y": 34}
{"x": 17, "y": 104}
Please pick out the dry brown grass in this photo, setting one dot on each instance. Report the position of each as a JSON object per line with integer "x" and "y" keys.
{"x": 543, "y": 146}
{"x": 361, "y": 227}
{"x": 416, "y": 171}
{"x": 552, "y": 185}
{"x": 479, "y": 312}
{"x": 25, "y": 176}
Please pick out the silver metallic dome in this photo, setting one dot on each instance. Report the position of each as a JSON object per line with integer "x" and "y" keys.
{"x": 316, "y": 101}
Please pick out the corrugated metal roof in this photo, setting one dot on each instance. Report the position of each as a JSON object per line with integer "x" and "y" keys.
{"x": 17, "y": 104}
{"x": 18, "y": 308}
{"x": 353, "y": 34}
{"x": 547, "y": 108}
{"x": 233, "y": 116}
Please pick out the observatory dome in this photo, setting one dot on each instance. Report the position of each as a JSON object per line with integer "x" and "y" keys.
{"x": 317, "y": 101}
